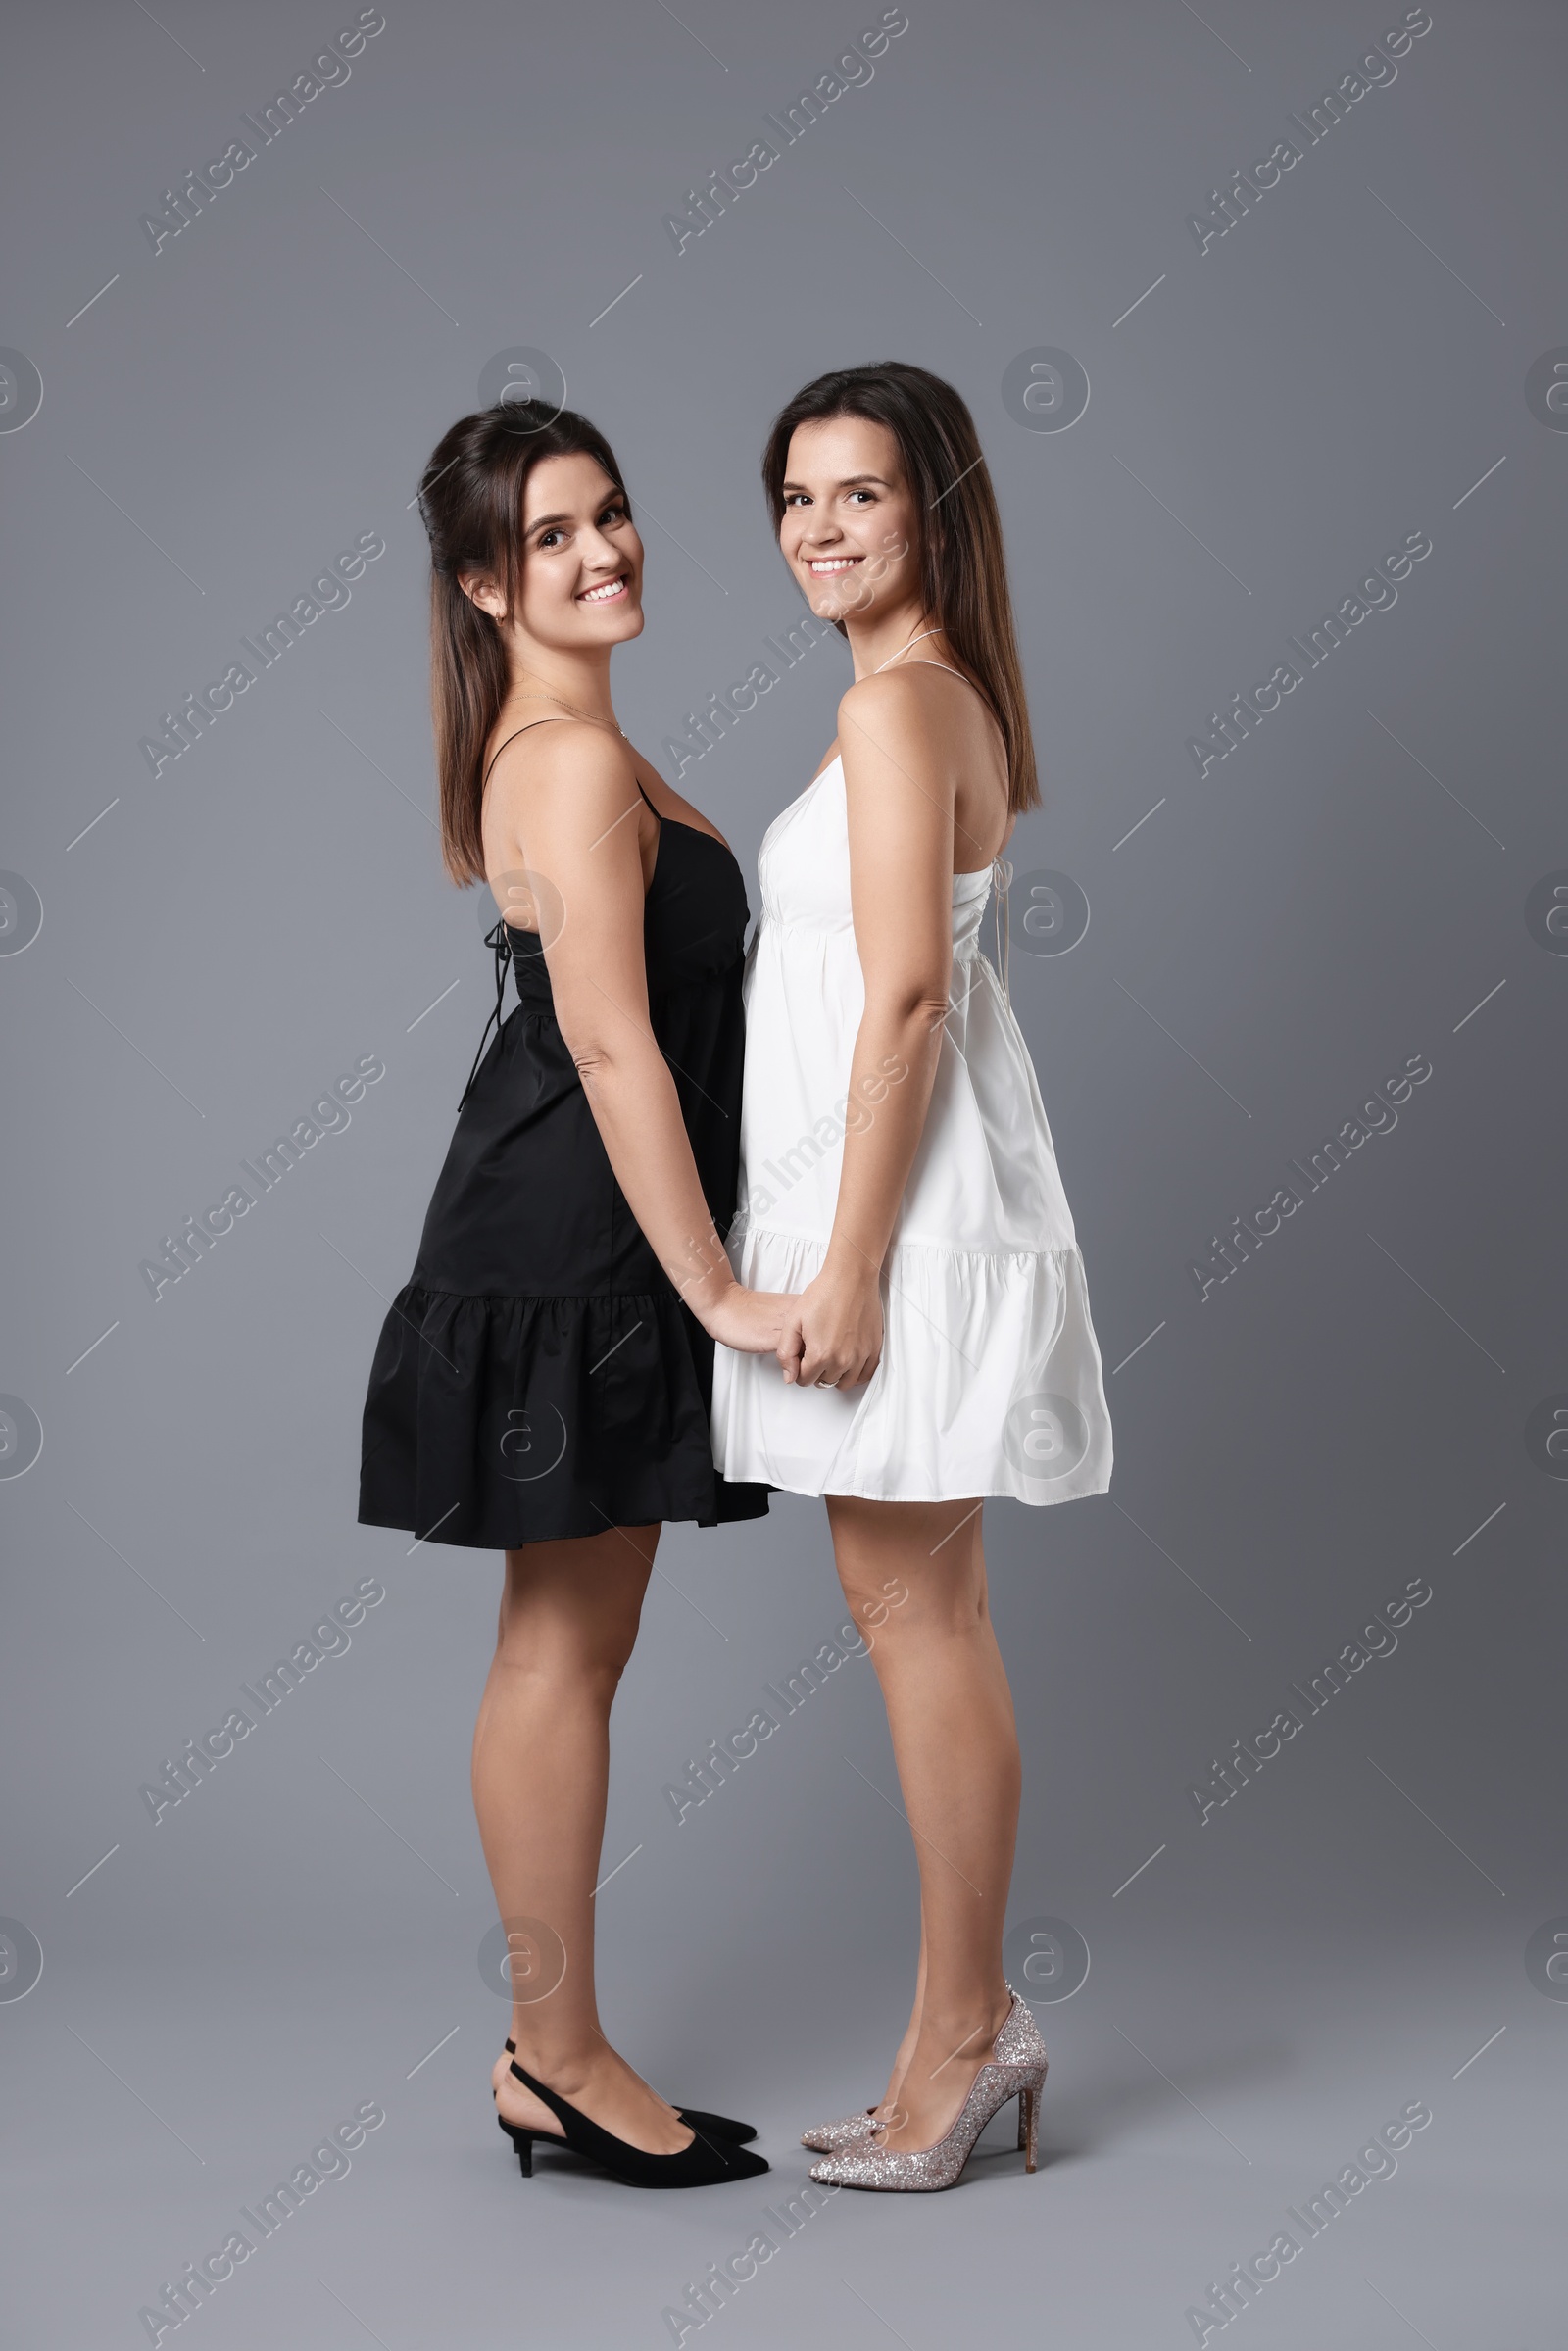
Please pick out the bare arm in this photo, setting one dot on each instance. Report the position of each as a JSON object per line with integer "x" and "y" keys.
{"x": 900, "y": 796}
{"x": 563, "y": 807}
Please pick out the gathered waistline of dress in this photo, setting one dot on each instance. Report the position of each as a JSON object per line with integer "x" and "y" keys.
{"x": 898, "y": 1248}
{"x": 840, "y": 926}
{"x": 542, "y": 1297}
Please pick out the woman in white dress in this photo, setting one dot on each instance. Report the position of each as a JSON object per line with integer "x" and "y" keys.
{"x": 897, "y": 1173}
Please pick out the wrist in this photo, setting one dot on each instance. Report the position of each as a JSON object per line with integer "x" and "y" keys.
{"x": 707, "y": 1285}
{"x": 848, "y": 1267}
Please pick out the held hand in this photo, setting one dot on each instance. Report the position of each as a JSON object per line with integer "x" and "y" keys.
{"x": 751, "y": 1321}
{"x": 833, "y": 1334}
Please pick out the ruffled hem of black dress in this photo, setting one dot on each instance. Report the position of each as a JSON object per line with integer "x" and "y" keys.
{"x": 493, "y": 1421}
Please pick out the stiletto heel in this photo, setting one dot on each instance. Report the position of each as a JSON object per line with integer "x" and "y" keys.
{"x": 706, "y": 2163}
{"x": 1028, "y": 2123}
{"x": 697, "y": 2118}
{"x": 1015, "y": 2069}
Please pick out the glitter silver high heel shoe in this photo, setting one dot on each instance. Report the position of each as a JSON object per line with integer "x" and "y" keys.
{"x": 825, "y": 2138}
{"x": 1015, "y": 2069}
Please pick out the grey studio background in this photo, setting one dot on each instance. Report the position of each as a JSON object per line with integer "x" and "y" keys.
{"x": 1348, "y": 355}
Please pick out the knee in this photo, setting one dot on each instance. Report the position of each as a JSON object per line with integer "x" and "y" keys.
{"x": 899, "y": 1611}
{"x": 873, "y": 1602}
{"x": 595, "y": 1653}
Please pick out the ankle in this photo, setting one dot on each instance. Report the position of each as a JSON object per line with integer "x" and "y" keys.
{"x": 965, "y": 2030}
{"x": 559, "y": 2059}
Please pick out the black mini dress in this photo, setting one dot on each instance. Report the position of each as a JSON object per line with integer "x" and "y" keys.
{"x": 538, "y": 1377}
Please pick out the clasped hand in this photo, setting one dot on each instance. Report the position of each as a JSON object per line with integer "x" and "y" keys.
{"x": 828, "y": 1336}
{"x": 833, "y": 1330}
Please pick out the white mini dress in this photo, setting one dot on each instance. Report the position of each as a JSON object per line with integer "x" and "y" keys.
{"x": 990, "y": 1378}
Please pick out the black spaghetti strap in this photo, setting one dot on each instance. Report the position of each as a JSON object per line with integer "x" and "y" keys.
{"x": 513, "y": 737}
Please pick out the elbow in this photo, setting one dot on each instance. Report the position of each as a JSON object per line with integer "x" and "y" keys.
{"x": 603, "y": 1062}
{"x": 916, "y": 1008}
{"x": 593, "y": 1062}
{"x": 588, "y": 1045}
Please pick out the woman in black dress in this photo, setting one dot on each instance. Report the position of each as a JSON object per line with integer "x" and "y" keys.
{"x": 542, "y": 1383}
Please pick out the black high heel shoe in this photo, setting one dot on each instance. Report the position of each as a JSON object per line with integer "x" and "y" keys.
{"x": 695, "y": 2118}
{"x": 706, "y": 2163}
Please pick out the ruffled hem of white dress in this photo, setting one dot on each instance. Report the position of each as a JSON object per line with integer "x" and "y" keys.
{"x": 989, "y": 1383}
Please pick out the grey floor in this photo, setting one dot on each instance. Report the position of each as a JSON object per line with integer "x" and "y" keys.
{"x": 301, "y": 1940}
{"x": 1149, "y": 2190}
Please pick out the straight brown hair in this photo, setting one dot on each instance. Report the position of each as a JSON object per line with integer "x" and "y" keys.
{"x": 471, "y": 502}
{"x": 963, "y": 569}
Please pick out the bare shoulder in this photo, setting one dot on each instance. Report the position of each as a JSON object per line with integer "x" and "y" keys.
{"x": 920, "y": 705}
{"x": 560, "y": 764}
{"x": 552, "y": 748}
{"x": 906, "y": 720}
{"x": 896, "y": 695}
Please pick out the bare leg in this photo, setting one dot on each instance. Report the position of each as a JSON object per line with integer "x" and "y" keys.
{"x": 888, "y": 2106}
{"x": 955, "y": 1742}
{"x": 570, "y": 1613}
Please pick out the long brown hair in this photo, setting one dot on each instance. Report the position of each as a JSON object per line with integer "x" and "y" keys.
{"x": 963, "y": 571}
{"x": 471, "y": 501}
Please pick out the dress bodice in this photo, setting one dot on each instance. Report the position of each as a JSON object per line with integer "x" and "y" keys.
{"x": 694, "y": 933}
{"x": 804, "y": 868}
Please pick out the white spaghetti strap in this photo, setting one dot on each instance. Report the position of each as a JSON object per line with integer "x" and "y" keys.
{"x": 919, "y": 640}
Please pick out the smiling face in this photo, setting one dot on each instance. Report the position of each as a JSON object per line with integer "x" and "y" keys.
{"x": 582, "y": 560}
{"x": 848, "y": 533}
